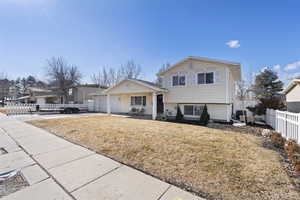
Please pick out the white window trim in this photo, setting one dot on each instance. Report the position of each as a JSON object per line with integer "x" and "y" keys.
{"x": 185, "y": 81}
{"x": 214, "y": 74}
{"x": 142, "y": 105}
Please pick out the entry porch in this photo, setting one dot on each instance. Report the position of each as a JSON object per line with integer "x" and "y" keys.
{"x": 135, "y": 97}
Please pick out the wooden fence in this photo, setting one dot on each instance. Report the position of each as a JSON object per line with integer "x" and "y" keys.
{"x": 17, "y": 109}
{"x": 286, "y": 123}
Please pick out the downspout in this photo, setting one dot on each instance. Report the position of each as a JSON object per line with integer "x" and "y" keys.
{"x": 227, "y": 75}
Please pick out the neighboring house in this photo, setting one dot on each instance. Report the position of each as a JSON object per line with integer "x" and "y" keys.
{"x": 292, "y": 92}
{"x": 190, "y": 84}
{"x": 82, "y": 93}
{"x": 39, "y": 96}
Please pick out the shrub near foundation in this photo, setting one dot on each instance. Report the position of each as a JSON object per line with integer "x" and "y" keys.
{"x": 179, "y": 115}
{"x": 293, "y": 151}
{"x": 291, "y": 147}
{"x": 277, "y": 140}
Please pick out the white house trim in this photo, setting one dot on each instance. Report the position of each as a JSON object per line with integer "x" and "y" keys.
{"x": 154, "y": 105}
{"x": 228, "y": 113}
{"x": 227, "y": 84}
{"x": 108, "y": 104}
{"x": 235, "y": 64}
{"x": 205, "y": 72}
{"x": 185, "y": 80}
{"x": 291, "y": 85}
{"x": 137, "y": 82}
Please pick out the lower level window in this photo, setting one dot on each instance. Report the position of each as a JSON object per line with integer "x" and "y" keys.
{"x": 138, "y": 100}
{"x": 193, "y": 110}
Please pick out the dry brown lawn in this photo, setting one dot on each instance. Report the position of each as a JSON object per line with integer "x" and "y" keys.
{"x": 212, "y": 163}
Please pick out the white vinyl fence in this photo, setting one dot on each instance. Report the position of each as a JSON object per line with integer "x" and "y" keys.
{"x": 286, "y": 123}
{"x": 17, "y": 109}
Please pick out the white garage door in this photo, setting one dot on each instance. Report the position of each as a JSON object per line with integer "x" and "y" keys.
{"x": 100, "y": 103}
{"x": 101, "y": 106}
{"x": 115, "y": 104}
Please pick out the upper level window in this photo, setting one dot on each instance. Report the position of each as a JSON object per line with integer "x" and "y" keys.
{"x": 178, "y": 80}
{"x": 138, "y": 100}
{"x": 206, "y": 78}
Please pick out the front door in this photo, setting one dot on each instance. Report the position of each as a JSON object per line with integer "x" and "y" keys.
{"x": 160, "y": 104}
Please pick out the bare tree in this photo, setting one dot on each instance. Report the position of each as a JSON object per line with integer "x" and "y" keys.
{"x": 242, "y": 93}
{"x": 62, "y": 76}
{"x": 242, "y": 90}
{"x": 3, "y": 75}
{"x": 101, "y": 78}
{"x": 130, "y": 70}
{"x": 112, "y": 76}
{"x": 161, "y": 69}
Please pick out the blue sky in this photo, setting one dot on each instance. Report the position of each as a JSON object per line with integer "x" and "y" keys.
{"x": 97, "y": 33}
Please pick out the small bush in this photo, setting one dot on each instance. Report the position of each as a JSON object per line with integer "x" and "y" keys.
{"x": 277, "y": 140}
{"x": 291, "y": 147}
{"x": 179, "y": 115}
{"x": 204, "y": 118}
{"x": 293, "y": 151}
{"x": 297, "y": 166}
{"x": 295, "y": 158}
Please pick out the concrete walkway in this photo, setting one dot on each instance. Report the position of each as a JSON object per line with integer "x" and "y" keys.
{"x": 59, "y": 170}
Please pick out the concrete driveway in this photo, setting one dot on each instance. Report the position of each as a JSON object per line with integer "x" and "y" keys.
{"x": 59, "y": 170}
{"x": 27, "y": 117}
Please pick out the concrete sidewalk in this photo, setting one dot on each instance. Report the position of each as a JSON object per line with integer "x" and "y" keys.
{"x": 59, "y": 170}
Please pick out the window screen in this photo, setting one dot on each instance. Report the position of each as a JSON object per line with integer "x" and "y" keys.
{"x": 175, "y": 80}
{"x": 206, "y": 78}
{"x": 138, "y": 100}
{"x": 188, "y": 110}
{"x": 178, "y": 80}
{"x": 201, "y": 78}
{"x": 182, "y": 80}
{"x": 209, "y": 78}
{"x": 198, "y": 110}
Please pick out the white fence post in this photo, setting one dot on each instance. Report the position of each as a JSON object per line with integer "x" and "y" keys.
{"x": 298, "y": 134}
{"x": 285, "y": 123}
{"x": 16, "y": 109}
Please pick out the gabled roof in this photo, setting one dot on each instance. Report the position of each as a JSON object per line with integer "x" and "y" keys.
{"x": 147, "y": 82}
{"x": 291, "y": 85}
{"x": 144, "y": 83}
{"x": 90, "y": 86}
{"x": 23, "y": 97}
{"x": 235, "y": 65}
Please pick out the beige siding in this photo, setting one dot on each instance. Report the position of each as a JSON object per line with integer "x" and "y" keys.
{"x": 121, "y": 103}
{"x": 294, "y": 94}
{"x": 219, "y": 92}
{"x": 83, "y": 94}
{"x": 216, "y": 112}
{"x": 127, "y": 89}
{"x": 126, "y": 101}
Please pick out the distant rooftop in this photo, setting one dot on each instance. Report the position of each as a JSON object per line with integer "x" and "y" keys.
{"x": 92, "y": 85}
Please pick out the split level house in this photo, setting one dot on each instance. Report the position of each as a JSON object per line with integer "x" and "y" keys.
{"x": 189, "y": 84}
